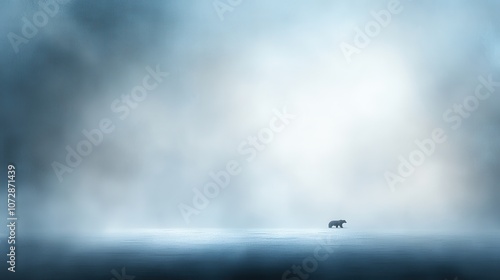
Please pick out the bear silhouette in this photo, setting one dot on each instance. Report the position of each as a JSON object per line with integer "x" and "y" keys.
{"x": 337, "y": 223}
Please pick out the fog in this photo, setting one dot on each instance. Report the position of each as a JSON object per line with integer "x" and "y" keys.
{"x": 353, "y": 116}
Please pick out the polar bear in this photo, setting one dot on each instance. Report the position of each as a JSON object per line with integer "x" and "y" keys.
{"x": 337, "y": 223}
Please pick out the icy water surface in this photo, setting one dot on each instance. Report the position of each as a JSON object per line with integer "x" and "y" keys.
{"x": 261, "y": 254}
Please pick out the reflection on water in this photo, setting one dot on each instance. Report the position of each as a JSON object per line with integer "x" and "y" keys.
{"x": 262, "y": 254}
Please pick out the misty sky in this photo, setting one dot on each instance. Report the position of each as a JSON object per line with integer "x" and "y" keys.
{"x": 227, "y": 77}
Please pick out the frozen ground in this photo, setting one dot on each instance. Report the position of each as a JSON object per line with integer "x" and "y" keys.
{"x": 261, "y": 254}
